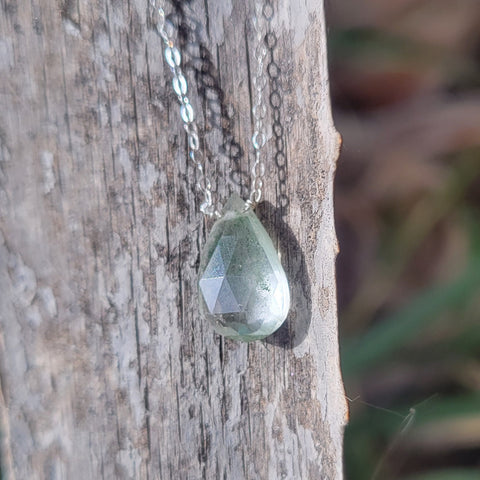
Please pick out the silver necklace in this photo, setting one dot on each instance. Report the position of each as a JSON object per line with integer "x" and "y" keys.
{"x": 243, "y": 289}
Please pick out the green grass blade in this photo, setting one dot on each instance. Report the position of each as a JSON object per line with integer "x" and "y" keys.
{"x": 451, "y": 474}
{"x": 394, "y": 332}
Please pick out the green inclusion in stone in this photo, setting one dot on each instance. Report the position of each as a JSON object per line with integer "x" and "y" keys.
{"x": 243, "y": 287}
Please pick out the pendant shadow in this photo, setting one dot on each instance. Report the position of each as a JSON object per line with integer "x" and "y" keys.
{"x": 296, "y": 326}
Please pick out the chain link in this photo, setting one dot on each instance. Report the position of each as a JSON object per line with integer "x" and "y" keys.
{"x": 180, "y": 86}
{"x": 259, "y": 108}
{"x": 263, "y": 13}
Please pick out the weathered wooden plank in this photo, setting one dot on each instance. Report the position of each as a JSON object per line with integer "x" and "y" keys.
{"x": 107, "y": 371}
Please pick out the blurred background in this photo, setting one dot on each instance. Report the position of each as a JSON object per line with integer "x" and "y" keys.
{"x": 405, "y": 80}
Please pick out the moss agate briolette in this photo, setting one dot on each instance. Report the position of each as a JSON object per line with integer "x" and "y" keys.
{"x": 243, "y": 288}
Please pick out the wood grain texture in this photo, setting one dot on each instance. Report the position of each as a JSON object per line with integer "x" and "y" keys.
{"x": 107, "y": 371}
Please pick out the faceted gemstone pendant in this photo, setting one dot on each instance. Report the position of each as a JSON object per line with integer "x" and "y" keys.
{"x": 243, "y": 288}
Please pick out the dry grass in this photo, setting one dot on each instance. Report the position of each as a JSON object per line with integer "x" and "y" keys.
{"x": 405, "y": 80}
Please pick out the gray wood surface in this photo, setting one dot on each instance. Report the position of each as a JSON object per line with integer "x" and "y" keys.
{"x": 107, "y": 371}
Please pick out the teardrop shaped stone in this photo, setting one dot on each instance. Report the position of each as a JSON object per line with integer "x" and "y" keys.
{"x": 243, "y": 288}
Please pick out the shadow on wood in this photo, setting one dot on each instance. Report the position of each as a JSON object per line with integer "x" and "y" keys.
{"x": 295, "y": 329}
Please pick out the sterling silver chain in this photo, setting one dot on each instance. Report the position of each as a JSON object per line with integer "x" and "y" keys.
{"x": 263, "y": 12}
